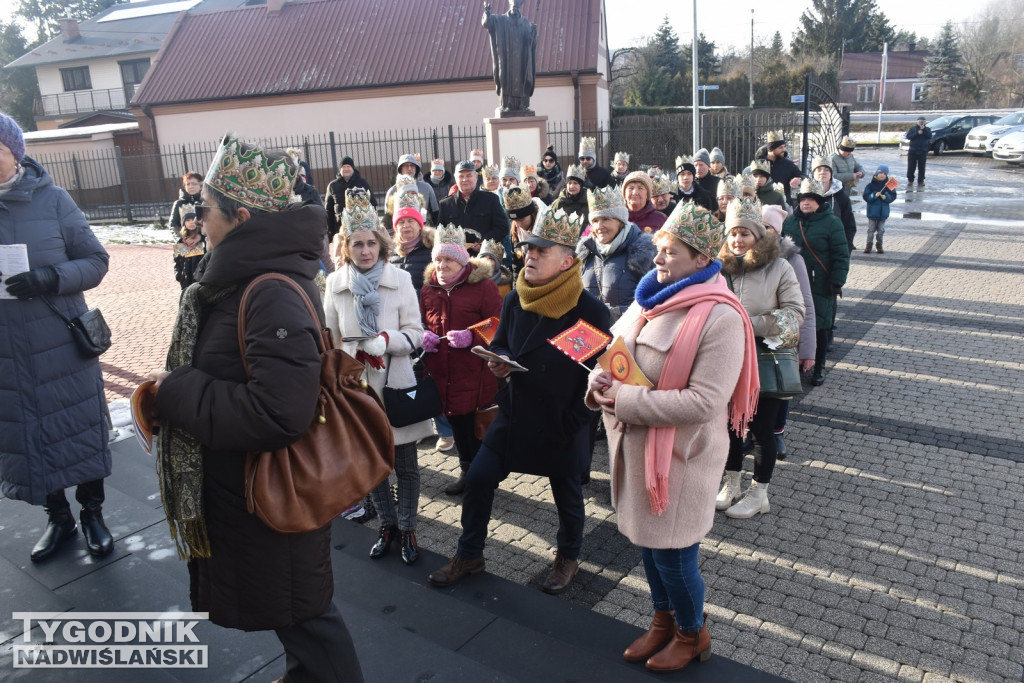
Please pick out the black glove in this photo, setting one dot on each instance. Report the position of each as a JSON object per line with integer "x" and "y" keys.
{"x": 836, "y": 289}
{"x": 33, "y": 283}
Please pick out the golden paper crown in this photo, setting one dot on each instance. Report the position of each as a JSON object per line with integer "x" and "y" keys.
{"x": 450, "y": 234}
{"x": 403, "y": 181}
{"x": 527, "y": 171}
{"x": 694, "y": 225}
{"x": 761, "y": 166}
{"x": 243, "y": 172}
{"x": 663, "y": 184}
{"x": 776, "y": 136}
{"x": 744, "y": 212}
{"x": 847, "y": 143}
{"x": 728, "y": 187}
{"x": 680, "y": 161}
{"x": 588, "y": 147}
{"x": 747, "y": 185}
{"x": 821, "y": 161}
{"x": 559, "y": 228}
{"x": 510, "y": 167}
{"x": 407, "y": 200}
{"x": 811, "y": 186}
{"x": 489, "y": 171}
{"x": 621, "y": 156}
{"x": 576, "y": 171}
{"x": 492, "y": 248}
{"x": 517, "y": 197}
{"x": 604, "y": 199}
{"x": 359, "y": 213}
{"x": 184, "y": 210}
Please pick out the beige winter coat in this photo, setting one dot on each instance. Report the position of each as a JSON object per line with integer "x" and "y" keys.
{"x": 763, "y": 283}
{"x": 699, "y": 413}
{"x": 399, "y": 312}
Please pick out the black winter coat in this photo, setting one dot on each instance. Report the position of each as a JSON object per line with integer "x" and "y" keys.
{"x": 613, "y": 280}
{"x": 783, "y": 171}
{"x": 256, "y": 578}
{"x": 483, "y": 212}
{"x": 598, "y": 176}
{"x": 709, "y": 183}
{"x": 573, "y": 204}
{"x": 174, "y": 223}
{"x": 699, "y": 196}
{"x": 542, "y": 425}
{"x": 441, "y": 187}
{"x": 334, "y": 202}
{"x": 417, "y": 260}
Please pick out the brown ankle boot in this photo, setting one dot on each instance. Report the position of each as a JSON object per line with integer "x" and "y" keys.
{"x": 657, "y": 637}
{"x": 682, "y": 649}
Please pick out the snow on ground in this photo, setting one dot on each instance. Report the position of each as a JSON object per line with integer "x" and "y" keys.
{"x": 121, "y": 419}
{"x": 148, "y": 233}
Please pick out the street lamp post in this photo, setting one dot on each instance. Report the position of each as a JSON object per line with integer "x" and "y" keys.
{"x": 696, "y": 125}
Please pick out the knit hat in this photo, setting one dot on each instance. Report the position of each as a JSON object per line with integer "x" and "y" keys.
{"x": 776, "y": 138}
{"x": 555, "y": 228}
{"x": 621, "y": 156}
{"x": 346, "y": 161}
{"x": 702, "y": 155}
{"x": 550, "y": 153}
{"x": 11, "y": 136}
{"x": 518, "y": 202}
{"x": 606, "y": 202}
{"x": 882, "y": 168}
{"x": 409, "y": 159}
{"x": 408, "y": 206}
{"x": 761, "y": 166}
{"x": 684, "y": 163}
{"x": 437, "y": 165}
{"x": 588, "y": 148}
{"x": 359, "y": 214}
{"x": 820, "y": 161}
{"x": 773, "y": 215}
{"x": 510, "y": 167}
{"x": 450, "y": 241}
{"x": 809, "y": 187}
{"x": 744, "y": 212}
{"x": 847, "y": 144}
{"x": 717, "y": 155}
{"x": 692, "y": 224}
{"x": 244, "y": 172}
{"x": 639, "y": 177}
{"x": 576, "y": 172}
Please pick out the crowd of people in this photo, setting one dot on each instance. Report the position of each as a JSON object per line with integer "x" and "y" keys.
{"x": 697, "y": 273}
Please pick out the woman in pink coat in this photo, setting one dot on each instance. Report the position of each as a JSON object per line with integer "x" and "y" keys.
{"x": 668, "y": 444}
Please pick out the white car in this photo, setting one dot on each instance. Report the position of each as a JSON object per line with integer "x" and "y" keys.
{"x": 983, "y": 139}
{"x": 1010, "y": 148}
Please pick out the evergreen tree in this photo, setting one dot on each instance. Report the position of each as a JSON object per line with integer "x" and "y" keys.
{"x": 18, "y": 87}
{"x": 777, "y": 50}
{"x": 944, "y": 69}
{"x": 827, "y": 24}
{"x": 45, "y": 14}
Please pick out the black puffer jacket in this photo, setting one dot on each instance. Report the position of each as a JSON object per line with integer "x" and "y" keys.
{"x": 442, "y": 186}
{"x": 256, "y": 578}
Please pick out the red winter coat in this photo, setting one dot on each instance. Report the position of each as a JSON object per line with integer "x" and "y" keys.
{"x": 464, "y": 380}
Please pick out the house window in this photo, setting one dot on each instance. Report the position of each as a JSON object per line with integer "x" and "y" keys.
{"x": 866, "y": 93}
{"x": 76, "y": 78}
{"x": 133, "y": 71}
{"x": 917, "y": 94}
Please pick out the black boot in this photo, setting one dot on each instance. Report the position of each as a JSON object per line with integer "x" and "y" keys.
{"x": 383, "y": 544}
{"x": 410, "y": 551}
{"x": 459, "y": 485}
{"x": 819, "y": 375}
{"x": 61, "y": 525}
{"x": 97, "y": 535}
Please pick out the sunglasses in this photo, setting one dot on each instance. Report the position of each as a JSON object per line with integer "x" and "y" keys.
{"x": 201, "y": 210}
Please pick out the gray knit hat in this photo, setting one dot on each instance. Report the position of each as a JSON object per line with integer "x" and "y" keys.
{"x": 717, "y": 155}
{"x": 702, "y": 155}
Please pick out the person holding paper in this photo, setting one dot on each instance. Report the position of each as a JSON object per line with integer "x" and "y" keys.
{"x": 458, "y": 292}
{"x": 541, "y": 427}
{"x": 54, "y": 409}
{"x": 668, "y": 444}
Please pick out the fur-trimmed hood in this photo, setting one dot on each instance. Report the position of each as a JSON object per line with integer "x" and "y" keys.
{"x": 764, "y": 252}
{"x": 787, "y": 248}
{"x": 482, "y": 270}
{"x": 426, "y": 240}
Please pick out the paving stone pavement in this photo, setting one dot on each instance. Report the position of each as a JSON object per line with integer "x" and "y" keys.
{"x": 894, "y": 546}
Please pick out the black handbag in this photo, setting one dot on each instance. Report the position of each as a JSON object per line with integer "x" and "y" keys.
{"x": 779, "y": 372}
{"x": 421, "y": 401}
{"x": 89, "y": 330}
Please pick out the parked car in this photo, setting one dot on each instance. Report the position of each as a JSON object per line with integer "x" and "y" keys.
{"x": 950, "y": 132}
{"x": 1010, "y": 148}
{"x": 983, "y": 139}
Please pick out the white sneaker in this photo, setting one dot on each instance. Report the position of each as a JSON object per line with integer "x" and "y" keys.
{"x": 755, "y": 502}
{"x": 445, "y": 443}
{"x": 730, "y": 492}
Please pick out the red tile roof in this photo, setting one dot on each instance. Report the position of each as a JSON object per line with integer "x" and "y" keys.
{"x": 864, "y": 66}
{"x": 323, "y": 45}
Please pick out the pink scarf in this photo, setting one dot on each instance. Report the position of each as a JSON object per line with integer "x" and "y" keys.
{"x": 699, "y": 298}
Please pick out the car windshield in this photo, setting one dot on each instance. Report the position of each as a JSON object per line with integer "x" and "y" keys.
{"x": 1016, "y": 119}
{"x": 942, "y": 122}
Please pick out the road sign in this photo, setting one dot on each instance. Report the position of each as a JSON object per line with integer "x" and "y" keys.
{"x": 707, "y": 87}
{"x": 796, "y": 99}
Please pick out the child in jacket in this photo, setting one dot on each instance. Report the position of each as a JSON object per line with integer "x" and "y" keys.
{"x": 188, "y": 250}
{"x": 878, "y": 198}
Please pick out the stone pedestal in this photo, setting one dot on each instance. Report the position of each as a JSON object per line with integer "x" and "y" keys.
{"x": 524, "y": 137}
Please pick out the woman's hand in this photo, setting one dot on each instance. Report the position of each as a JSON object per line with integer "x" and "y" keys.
{"x": 158, "y": 377}
{"x": 600, "y": 382}
{"x": 806, "y": 364}
{"x": 606, "y": 397}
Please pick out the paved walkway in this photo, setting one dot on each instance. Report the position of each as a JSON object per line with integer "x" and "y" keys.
{"x": 893, "y": 550}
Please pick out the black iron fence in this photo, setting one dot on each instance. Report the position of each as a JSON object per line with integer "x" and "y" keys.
{"x": 136, "y": 186}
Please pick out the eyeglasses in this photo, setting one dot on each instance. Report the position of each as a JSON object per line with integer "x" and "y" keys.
{"x": 201, "y": 210}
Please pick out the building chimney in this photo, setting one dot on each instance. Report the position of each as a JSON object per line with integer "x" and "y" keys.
{"x": 68, "y": 29}
{"x": 275, "y": 6}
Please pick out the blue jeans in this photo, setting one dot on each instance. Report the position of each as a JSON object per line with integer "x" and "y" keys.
{"x": 407, "y": 471}
{"x": 676, "y": 584}
{"x": 444, "y": 429}
{"x": 485, "y": 474}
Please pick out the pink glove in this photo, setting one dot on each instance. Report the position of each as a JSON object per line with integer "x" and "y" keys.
{"x": 430, "y": 341}
{"x": 460, "y": 339}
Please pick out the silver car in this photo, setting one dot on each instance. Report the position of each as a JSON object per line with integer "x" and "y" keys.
{"x": 983, "y": 139}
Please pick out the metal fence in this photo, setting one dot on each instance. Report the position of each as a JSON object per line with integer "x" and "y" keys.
{"x": 138, "y": 185}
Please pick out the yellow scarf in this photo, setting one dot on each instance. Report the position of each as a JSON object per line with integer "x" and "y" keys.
{"x": 554, "y": 299}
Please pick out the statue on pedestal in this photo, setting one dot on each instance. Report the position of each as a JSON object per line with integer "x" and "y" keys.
{"x": 514, "y": 56}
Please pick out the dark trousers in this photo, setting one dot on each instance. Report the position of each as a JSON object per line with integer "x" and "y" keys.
{"x": 320, "y": 650}
{"x": 916, "y": 161}
{"x": 780, "y": 419}
{"x": 763, "y": 429}
{"x": 484, "y": 476}
{"x": 463, "y": 430}
{"x": 90, "y": 495}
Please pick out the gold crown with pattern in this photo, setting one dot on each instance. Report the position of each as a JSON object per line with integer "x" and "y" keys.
{"x": 604, "y": 199}
{"x": 744, "y": 212}
{"x": 243, "y": 172}
{"x": 727, "y": 187}
{"x": 747, "y": 186}
{"x": 810, "y": 186}
{"x": 450, "y": 234}
{"x": 588, "y": 147}
{"x": 621, "y": 156}
{"x": 576, "y": 171}
{"x": 406, "y": 200}
{"x": 663, "y": 184}
{"x": 761, "y": 166}
{"x": 492, "y": 248}
{"x": 776, "y": 136}
{"x": 402, "y": 182}
{"x": 359, "y": 213}
{"x": 559, "y": 227}
{"x": 694, "y": 225}
{"x": 184, "y": 210}
{"x": 517, "y": 197}
{"x": 820, "y": 161}
{"x": 510, "y": 167}
{"x": 489, "y": 171}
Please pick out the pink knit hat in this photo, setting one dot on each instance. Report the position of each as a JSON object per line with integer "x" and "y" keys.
{"x": 773, "y": 216}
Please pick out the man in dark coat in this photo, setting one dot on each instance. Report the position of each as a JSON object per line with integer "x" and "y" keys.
{"x": 473, "y": 208}
{"x": 688, "y": 190}
{"x": 213, "y": 413}
{"x": 707, "y": 180}
{"x": 920, "y": 137}
{"x": 348, "y": 179}
{"x": 542, "y": 422}
{"x": 596, "y": 175}
{"x": 53, "y": 408}
{"x": 783, "y": 170}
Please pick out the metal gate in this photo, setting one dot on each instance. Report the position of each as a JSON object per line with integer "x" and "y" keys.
{"x": 824, "y": 123}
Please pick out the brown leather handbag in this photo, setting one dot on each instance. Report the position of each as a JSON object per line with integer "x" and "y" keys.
{"x": 347, "y": 451}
